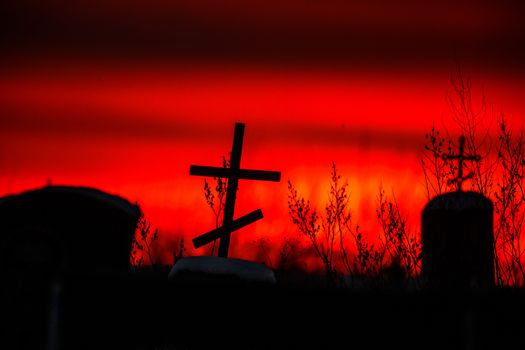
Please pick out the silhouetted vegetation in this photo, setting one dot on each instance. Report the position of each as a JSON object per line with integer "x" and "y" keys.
{"x": 215, "y": 195}
{"x": 402, "y": 246}
{"x": 142, "y": 249}
{"x": 499, "y": 175}
{"x": 509, "y": 198}
{"x": 327, "y": 232}
{"x": 395, "y": 255}
{"x": 344, "y": 250}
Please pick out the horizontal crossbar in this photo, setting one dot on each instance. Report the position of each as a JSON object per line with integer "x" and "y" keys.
{"x": 453, "y": 156}
{"x": 245, "y": 174}
{"x": 235, "y": 225}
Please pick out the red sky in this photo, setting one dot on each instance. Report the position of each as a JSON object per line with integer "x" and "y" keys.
{"x": 128, "y": 104}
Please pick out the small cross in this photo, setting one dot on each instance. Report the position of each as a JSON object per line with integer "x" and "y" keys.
{"x": 461, "y": 157}
{"x": 233, "y": 174}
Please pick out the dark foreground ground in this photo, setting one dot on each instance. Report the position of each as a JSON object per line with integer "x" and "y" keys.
{"x": 144, "y": 311}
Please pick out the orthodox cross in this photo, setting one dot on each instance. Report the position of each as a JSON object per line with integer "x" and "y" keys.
{"x": 233, "y": 174}
{"x": 461, "y": 157}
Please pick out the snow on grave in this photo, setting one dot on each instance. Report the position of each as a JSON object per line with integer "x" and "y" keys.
{"x": 211, "y": 269}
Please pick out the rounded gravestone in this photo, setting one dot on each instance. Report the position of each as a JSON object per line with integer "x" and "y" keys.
{"x": 53, "y": 234}
{"x": 458, "y": 241}
{"x": 71, "y": 229}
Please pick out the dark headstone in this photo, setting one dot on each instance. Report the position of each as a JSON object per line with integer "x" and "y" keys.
{"x": 458, "y": 241}
{"x": 67, "y": 228}
{"x": 48, "y": 235}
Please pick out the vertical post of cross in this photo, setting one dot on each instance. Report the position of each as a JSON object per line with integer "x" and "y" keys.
{"x": 460, "y": 158}
{"x": 233, "y": 174}
{"x": 231, "y": 192}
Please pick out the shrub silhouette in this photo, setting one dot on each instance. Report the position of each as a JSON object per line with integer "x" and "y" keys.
{"x": 143, "y": 246}
{"x": 215, "y": 196}
{"x": 397, "y": 252}
{"x": 325, "y": 232}
{"x": 499, "y": 175}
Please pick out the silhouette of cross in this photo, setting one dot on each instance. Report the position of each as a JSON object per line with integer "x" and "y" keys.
{"x": 461, "y": 157}
{"x": 233, "y": 174}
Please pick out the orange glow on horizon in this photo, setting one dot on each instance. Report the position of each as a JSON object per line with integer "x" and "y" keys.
{"x": 135, "y": 131}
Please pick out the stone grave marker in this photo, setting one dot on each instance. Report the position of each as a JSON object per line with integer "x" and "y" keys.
{"x": 457, "y": 235}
